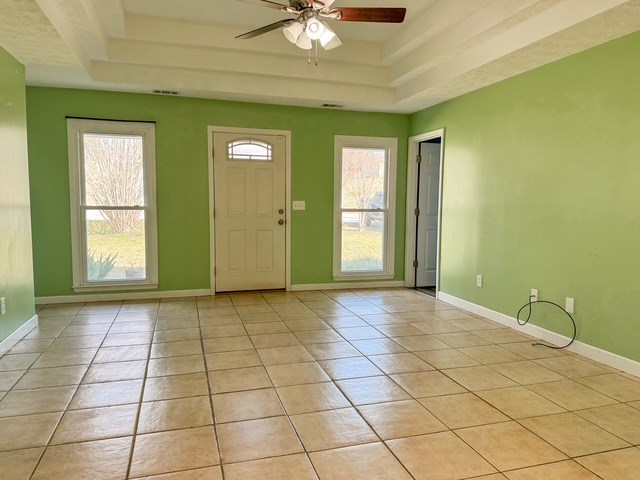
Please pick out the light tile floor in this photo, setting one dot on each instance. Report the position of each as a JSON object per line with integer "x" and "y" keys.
{"x": 363, "y": 384}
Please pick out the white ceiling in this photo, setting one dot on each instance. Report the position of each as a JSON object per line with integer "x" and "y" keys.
{"x": 444, "y": 49}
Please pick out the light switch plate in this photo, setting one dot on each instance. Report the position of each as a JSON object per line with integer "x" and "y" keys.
{"x": 299, "y": 205}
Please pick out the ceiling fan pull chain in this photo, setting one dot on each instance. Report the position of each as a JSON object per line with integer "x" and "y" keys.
{"x": 316, "y": 42}
{"x": 309, "y": 51}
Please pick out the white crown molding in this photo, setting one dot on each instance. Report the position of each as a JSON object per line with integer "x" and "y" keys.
{"x": 244, "y": 62}
{"x": 188, "y": 34}
{"x": 224, "y": 82}
{"x": 111, "y": 14}
{"x": 470, "y": 29}
{"x": 444, "y": 49}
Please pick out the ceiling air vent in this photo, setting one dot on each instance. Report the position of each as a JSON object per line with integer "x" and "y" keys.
{"x": 166, "y": 92}
{"x": 332, "y": 105}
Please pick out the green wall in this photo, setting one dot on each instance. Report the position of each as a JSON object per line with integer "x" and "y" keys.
{"x": 182, "y": 183}
{"x": 541, "y": 177}
{"x": 542, "y": 190}
{"x": 16, "y": 268}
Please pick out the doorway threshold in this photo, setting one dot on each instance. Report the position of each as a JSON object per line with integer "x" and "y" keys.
{"x": 431, "y": 291}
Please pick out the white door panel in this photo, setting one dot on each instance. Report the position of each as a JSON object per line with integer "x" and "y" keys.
{"x": 428, "y": 203}
{"x": 250, "y": 235}
{"x": 430, "y": 260}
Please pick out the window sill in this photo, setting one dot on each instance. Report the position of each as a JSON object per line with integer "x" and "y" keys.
{"x": 362, "y": 276}
{"x": 114, "y": 287}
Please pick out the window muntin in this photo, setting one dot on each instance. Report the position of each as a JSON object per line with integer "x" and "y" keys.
{"x": 365, "y": 180}
{"x": 250, "y": 150}
{"x": 112, "y": 169}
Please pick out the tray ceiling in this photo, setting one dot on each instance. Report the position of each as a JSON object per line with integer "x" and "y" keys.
{"x": 444, "y": 49}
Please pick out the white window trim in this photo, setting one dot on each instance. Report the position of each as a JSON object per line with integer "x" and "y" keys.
{"x": 77, "y": 127}
{"x": 390, "y": 144}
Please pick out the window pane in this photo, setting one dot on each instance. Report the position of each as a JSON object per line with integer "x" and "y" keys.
{"x": 249, "y": 150}
{"x": 113, "y": 170}
{"x": 362, "y": 241}
{"x": 112, "y": 253}
{"x": 363, "y": 178}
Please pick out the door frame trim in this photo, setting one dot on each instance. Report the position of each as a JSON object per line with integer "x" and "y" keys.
{"x": 211, "y": 129}
{"x": 412, "y": 192}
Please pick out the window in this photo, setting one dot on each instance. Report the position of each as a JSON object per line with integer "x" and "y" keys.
{"x": 254, "y": 150}
{"x": 364, "y": 208}
{"x": 113, "y": 205}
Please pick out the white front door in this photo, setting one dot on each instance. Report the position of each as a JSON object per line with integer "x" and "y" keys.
{"x": 249, "y": 215}
{"x": 428, "y": 199}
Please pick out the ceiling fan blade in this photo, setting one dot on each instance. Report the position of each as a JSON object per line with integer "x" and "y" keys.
{"x": 266, "y": 29}
{"x": 371, "y": 14}
{"x": 267, "y": 3}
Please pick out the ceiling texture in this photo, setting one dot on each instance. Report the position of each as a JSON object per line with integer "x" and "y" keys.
{"x": 445, "y": 48}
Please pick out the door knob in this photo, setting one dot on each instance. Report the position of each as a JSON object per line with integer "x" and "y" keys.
{"x": 281, "y": 222}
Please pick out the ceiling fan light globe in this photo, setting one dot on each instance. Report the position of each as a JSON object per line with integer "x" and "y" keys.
{"x": 293, "y": 31}
{"x": 304, "y": 42}
{"x": 314, "y": 29}
{"x": 335, "y": 42}
{"x": 327, "y": 35}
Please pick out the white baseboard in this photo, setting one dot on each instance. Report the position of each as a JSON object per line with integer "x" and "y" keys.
{"x": 346, "y": 285}
{"x": 97, "y": 297}
{"x": 594, "y": 353}
{"x": 9, "y": 342}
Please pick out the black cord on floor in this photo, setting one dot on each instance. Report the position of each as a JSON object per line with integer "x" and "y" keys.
{"x": 525, "y": 321}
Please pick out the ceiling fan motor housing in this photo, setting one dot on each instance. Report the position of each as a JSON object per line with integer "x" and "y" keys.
{"x": 309, "y": 26}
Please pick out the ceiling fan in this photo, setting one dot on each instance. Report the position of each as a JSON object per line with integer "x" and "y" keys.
{"x": 309, "y": 24}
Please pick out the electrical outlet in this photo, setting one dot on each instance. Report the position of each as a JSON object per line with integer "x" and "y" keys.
{"x": 569, "y": 304}
{"x": 3, "y": 306}
{"x": 479, "y": 281}
{"x": 534, "y": 295}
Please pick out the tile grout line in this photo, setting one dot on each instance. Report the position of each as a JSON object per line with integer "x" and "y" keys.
{"x": 332, "y": 381}
{"x": 284, "y": 409}
{"x": 454, "y": 431}
{"x": 414, "y": 399}
{"x": 449, "y": 429}
{"x": 213, "y": 413}
{"x": 44, "y": 448}
{"x": 71, "y": 318}
{"x": 66, "y": 409}
{"x": 304, "y": 451}
{"x": 141, "y": 398}
{"x": 355, "y": 409}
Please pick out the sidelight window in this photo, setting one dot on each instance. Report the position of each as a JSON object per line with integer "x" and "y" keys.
{"x": 364, "y": 207}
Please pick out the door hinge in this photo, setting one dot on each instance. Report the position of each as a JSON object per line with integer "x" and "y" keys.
{"x": 417, "y": 212}
{"x": 419, "y": 159}
{"x": 415, "y": 264}
{"x": 215, "y": 271}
